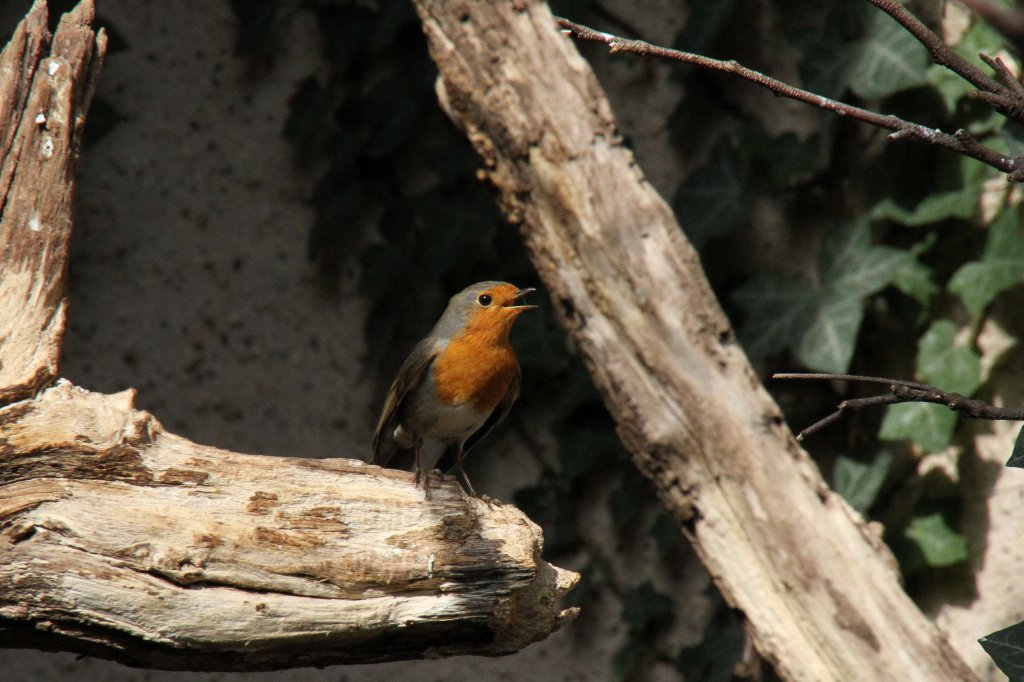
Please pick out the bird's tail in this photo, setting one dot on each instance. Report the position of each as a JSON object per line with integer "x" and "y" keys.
{"x": 390, "y": 455}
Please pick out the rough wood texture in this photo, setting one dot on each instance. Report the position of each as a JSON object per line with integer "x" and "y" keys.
{"x": 120, "y": 540}
{"x": 45, "y": 90}
{"x": 819, "y": 589}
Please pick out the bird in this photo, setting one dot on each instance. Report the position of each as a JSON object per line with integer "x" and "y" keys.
{"x": 459, "y": 382}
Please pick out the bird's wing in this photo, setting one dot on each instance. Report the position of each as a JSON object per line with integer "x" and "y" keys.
{"x": 501, "y": 410}
{"x": 409, "y": 377}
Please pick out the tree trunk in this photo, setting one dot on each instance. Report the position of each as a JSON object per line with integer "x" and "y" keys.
{"x": 120, "y": 540}
{"x": 819, "y": 589}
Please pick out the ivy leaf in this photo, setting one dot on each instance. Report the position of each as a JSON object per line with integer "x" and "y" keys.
{"x": 949, "y": 85}
{"x": 946, "y": 365}
{"x": 939, "y": 544}
{"x": 1006, "y": 647}
{"x": 888, "y": 60}
{"x": 1001, "y": 266}
{"x": 913, "y": 277}
{"x": 786, "y": 159}
{"x": 820, "y": 323}
{"x": 713, "y": 200}
{"x": 952, "y": 88}
{"x": 960, "y": 203}
{"x": 930, "y": 426}
{"x": 827, "y": 343}
{"x": 850, "y": 265}
{"x": 940, "y": 361}
{"x": 777, "y": 307}
{"x": 859, "y": 482}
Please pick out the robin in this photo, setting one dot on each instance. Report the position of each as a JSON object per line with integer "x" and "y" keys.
{"x": 458, "y": 382}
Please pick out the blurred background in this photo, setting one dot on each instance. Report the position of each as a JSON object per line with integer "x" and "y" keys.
{"x": 271, "y": 210}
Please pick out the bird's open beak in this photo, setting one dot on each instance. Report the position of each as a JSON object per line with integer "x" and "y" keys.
{"x": 510, "y": 303}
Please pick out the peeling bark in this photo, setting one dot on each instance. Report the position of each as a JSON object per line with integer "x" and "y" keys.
{"x": 818, "y": 587}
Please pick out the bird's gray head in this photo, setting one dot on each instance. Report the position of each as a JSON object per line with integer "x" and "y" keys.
{"x": 490, "y": 303}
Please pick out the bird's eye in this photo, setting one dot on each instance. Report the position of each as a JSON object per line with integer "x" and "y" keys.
{"x": 484, "y": 300}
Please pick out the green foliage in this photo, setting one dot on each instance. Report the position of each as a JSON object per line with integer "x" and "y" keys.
{"x": 887, "y": 60}
{"x": 914, "y": 278}
{"x": 1000, "y": 267}
{"x": 959, "y": 203}
{"x": 1006, "y": 647}
{"x": 944, "y": 363}
{"x": 930, "y": 426}
{"x": 954, "y": 90}
{"x": 711, "y": 202}
{"x": 859, "y": 482}
{"x": 819, "y": 321}
{"x": 938, "y": 543}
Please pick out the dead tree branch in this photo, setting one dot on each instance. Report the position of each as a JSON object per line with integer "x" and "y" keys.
{"x": 45, "y": 93}
{"x": 942, "y": 54}
{"x": 817, "y": 586}
{"x": 1003, "y": 98}
{"x": 123, "y": 541}
{"x": 901, "y": 391}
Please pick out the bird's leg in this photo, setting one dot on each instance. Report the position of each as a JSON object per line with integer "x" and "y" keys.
{"x": 458, "y": 463}
{"x": 417, "y": 446}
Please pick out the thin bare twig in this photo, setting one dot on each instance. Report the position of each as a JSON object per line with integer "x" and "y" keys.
{"x": 901, "y": 391}
{"x": 941, "y": 53}
{"x": 1009, "y": 102}
{"x": 1013, "y": 166}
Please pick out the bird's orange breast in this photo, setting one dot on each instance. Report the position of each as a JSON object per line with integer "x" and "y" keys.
{"x": 470, "y": 370}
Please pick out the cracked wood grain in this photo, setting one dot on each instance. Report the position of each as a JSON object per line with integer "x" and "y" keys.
{"x": 120, "y": 540}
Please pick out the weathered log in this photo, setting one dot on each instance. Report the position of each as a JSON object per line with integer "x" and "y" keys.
{"x": 120, "y": 540}
{"x": 123, "y": 541}
{"x": 45, "y": 91}
{"x": 819, "y": 589}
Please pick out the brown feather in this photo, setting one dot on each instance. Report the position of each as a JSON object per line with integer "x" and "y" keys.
{"x": 409, "y": 377}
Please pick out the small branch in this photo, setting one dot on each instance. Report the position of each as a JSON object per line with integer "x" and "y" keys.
{"x": 901, "y": 391}
{"x": 941, "y": 53}
{"x": 900, "y": 127}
